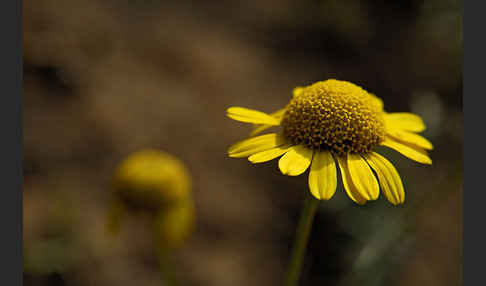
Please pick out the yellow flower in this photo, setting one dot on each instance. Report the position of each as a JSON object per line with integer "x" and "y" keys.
{"x": 159, "y": 184}
{"x": 151, "y": 179}
{"x": 332, "y": 121}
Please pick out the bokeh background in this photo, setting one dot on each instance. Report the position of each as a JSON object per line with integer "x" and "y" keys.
{"x": 105, "y": 78}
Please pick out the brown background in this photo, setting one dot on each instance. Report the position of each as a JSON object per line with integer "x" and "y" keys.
{"x": 104, "y": 78}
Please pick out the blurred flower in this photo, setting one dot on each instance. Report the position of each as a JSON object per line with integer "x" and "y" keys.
{"x": 173, "y": 225}
{"x": 151, "y": 179}
{"x": 159, "y": 184}
{"x": 339, "y": 120}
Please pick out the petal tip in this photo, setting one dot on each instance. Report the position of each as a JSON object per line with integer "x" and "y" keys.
{"x": 317, "y": 196}
{"x": 252, "y": 160}
{"x": 397, "y": 203}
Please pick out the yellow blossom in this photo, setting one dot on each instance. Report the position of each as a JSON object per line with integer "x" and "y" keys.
{"x": 331, "y": 121}
{"x": 151, "y": 179}
{"x": 159, "y": 184}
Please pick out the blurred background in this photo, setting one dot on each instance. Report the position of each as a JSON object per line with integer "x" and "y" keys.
{"x": 105, "y": 78}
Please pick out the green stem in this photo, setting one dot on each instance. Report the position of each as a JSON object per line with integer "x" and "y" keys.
{"x": 300, "y": 243}
{"x": 163, "y": 257}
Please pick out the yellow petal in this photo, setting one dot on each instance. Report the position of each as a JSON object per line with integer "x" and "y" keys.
{"x": 295, "y": 161}
{"x": 389, "y": 179}
{"x": 258, "y": 128}
{"x": 254, "y": 145}
{"x": 414, "y": 153}
{"x": 322, "y": 176}
{"x": 250, "y": 116}
{"x": 279, "y": 113}
{"x": 270, "y": 154}
{"x": 362, "y": 177}
{"x": 350, "y": 188}
{"x": 405, "y": 121}
{"x": 411, "y": 138}
{"x": 298, "y": 90}
{"x": 377, "y": 100}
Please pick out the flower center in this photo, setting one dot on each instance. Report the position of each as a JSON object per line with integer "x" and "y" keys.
{"x": 334, "y": 115}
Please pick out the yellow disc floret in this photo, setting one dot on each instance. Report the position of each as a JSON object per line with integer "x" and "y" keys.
{"x": 334, "y": 115}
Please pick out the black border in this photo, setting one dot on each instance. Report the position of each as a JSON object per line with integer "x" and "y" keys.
{"x": 11, "y": 123}
{"x": 473, "y": 243}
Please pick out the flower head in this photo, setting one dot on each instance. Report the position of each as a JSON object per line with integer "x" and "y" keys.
{"x": 151, "y": 179}
{"x": 156, "y": 183}
{"x": 334, "y": 115}
{"x": 332, "y": 121}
